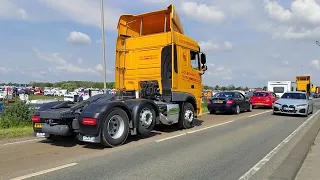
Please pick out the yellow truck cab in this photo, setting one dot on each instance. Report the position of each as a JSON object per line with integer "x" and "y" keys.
{"x": 304, "y": 83}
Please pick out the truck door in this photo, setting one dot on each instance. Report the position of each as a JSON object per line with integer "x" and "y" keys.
{"x": 194, "y": 76}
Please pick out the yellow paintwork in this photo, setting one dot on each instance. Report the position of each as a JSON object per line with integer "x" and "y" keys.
{"x": 138, "y": 58}
{"x": 314, "y": 89}
{"x": 302, "y": 82}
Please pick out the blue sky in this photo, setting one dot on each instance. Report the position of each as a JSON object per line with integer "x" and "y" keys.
{"x": 247, "y": 42}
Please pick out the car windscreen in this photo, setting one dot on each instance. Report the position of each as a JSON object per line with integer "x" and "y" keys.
{"x": 278, "y": 89}
{"x": 260, "y": 94}
{"x": 224, "y": 94}
{"x": 293, "y": 96}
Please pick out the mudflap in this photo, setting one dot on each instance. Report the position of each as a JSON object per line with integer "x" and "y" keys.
{"x": 89, "y": 138}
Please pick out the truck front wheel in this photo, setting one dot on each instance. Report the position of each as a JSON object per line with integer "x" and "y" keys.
{"x": 186, "y": 118}
{"x": 115, "y": 128}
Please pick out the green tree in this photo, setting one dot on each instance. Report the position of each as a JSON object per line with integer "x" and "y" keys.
{"x": 69, "y": 86}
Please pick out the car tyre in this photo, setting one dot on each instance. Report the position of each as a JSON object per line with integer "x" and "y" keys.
{"x": 237, "y": 110}
{"x": 118, "y": 121}
{"x": 250, "y": 108}
{"x": 212, "y": 111}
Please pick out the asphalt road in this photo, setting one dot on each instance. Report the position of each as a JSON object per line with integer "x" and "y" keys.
{"x": 220, "y": 147}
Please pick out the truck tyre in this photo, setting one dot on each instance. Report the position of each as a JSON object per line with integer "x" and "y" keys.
{"x": 115, "y": 128}
{"x": 147, "y": 119}
{"x": 186, "y": 118}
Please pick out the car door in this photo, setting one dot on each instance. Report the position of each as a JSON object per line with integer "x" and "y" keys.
{"x": 241, "y": 101}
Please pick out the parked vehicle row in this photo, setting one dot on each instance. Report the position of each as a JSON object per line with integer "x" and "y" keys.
{"x": 294, "y": 102}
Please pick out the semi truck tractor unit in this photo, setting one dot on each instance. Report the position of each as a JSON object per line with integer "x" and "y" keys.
{"x": 158, "y": 77}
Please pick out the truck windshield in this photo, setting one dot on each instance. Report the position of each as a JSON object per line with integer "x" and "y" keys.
{"x": 263, "y": 94}
{"x": 278, "y": 89}
{"x": 293, "y": 96}
{"x": 224, "y": 94}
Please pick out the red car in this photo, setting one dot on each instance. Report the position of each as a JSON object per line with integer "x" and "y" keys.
{"x": 263, "y": 99}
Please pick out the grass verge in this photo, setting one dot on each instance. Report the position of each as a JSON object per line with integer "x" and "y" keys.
{"x": 36, "y": 97}
{"x": 16, "y": 132}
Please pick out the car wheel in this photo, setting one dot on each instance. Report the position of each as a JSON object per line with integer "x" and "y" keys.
{"x": 212, "y": 111}
{"x": 250, "y": 108}
{"x": 307, "y": 112}
{"x": 237, "y": 109}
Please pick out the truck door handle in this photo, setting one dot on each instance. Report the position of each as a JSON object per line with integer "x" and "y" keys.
{"x": 192, "y": 86}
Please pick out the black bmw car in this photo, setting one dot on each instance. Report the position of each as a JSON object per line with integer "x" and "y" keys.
{"x": 229, "y": 101}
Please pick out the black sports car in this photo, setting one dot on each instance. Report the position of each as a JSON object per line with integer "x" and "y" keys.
{"x": 229, "y": 101}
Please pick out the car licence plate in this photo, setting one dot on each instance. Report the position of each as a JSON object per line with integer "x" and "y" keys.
{"x": 88, "y": 139}
{"x": 218, "y": 102}
{"x": 259, "y": 103}
{"x": 38, "y": 125}
{"x": 40, "y": 134}
{"x": 288, "y": 109}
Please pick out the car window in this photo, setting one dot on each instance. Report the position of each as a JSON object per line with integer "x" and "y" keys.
{"x": 224, "y": 94}
{"x": 260, "y": 94}
{"x": 278, "y": 89}
{"x": 294, "y": 96}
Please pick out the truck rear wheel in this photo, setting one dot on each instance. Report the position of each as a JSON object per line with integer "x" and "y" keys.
{"x": 147, "y": 119}
{"x": 115, "y": 128}
{"x": 186, "y": 118}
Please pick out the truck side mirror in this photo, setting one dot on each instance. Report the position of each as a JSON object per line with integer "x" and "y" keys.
{"x": 203, "y": 58}
{"x": 204, "y": 68}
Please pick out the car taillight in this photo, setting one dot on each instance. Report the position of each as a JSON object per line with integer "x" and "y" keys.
{"x": 35, "y": 119}
{"x": 209, "y": 102}
{"x": 267, "y": 99}
{"x": 229, "y": 102}
{"x": 89, "y": 121}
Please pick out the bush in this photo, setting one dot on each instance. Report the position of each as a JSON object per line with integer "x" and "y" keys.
{"x": 17, "y": 114}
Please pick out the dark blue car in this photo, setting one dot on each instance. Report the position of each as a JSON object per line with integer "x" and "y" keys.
{"x": 229, "y": 101}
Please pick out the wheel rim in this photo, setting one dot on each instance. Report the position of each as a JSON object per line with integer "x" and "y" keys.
{"x": 238, "y": 110}
{"x": 188, "y": 115}
{"x": 115, "y": 126}
{"x": 146, "y": 117}
{"x": 250, "y": 107}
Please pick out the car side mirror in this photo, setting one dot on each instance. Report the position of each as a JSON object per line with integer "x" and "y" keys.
{"x": 310, "y": 98}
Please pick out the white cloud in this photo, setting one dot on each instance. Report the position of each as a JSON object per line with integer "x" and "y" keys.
{"x": 9, "y": 10}
{"x": 202, "y": 12}
{"x": 221, "y": 72}
{"x": 78, "y": 38}
{"x": 86, "y": 12}
{"x": 300, "y": 22}
{"x": 211, "y": 46}
{"x": 62, "y": 64}
{"x": 315, "y": 64}
{"x": 5, "y": 70}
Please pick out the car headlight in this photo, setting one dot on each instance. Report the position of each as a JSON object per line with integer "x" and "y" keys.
{"x": 299, "y": 105}
{"x": 277, "y": 104}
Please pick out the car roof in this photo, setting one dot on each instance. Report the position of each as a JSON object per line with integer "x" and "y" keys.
{"x": 298, "y": 92}
{"x": 261, "y": 91}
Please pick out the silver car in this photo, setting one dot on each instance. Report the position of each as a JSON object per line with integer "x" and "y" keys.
{"x": 296, "y": 102}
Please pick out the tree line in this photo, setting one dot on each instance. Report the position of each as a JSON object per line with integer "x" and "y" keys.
{"x": 110, "y": 85}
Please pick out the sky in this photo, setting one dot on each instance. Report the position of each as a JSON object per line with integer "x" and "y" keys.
{"x": 247, "y": 42}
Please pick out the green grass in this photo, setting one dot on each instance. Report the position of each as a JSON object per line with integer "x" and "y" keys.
{"x": 204, "y": 108}
{"x": 36, "y": 97}
{"x": 16, "y": 132}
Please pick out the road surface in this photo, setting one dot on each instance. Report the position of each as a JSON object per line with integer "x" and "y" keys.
{"x": 219, "y": 147}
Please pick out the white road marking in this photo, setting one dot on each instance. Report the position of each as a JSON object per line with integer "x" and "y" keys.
{"x": 264, "y": 160}
{"x": 189, "y": 132}
{"x": 260, "y": 113}
{"x": 209, "y": 127}
{"x": 18, "y": 142}
{"x": 44, "y": 171}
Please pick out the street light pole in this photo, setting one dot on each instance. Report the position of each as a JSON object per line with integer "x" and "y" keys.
{"x": 103, "y": 50}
